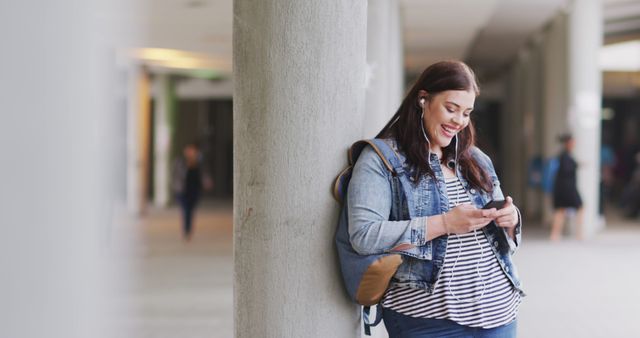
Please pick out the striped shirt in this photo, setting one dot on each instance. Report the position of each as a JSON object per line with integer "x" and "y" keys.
{"x": 472, "y": 289}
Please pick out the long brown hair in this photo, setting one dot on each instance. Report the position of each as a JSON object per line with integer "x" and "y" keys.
{"x": 405, "y": 125}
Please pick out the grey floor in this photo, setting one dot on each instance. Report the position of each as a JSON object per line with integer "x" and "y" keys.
{"x": 184, "y": 290}
{"x": 575, "y": 289}
{"x": 582, "y": 289}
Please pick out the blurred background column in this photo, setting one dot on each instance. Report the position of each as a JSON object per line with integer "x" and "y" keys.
{"x": 385, "y": 66}
{"x": 138, "y": 137}
{"x": 164, "y": 126}
{"x": 554, "y": 93}
{"x": 532, "y": 128}
{"x": 299, "y": 74}
{"x": 585, "y": 34}
{"x": 62, "y": 183}
{"x": 513, "y": 147}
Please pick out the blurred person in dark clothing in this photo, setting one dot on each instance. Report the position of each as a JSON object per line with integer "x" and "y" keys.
{"x": 607, "y": 178}
{"x": 565, "y": 190}
{"x": 630, "y": 198}
{"x": 189, "y": 178}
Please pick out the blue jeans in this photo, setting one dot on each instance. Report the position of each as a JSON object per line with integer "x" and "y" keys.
{"x": 401, "y": 326}
{"x": 188, "y": 204}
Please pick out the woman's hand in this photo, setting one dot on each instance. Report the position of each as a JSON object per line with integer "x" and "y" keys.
{"x": 507, "y": 217}
{"x": 466, "y": 218}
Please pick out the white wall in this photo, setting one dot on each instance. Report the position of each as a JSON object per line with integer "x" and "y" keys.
{"x": 61, "y": 142}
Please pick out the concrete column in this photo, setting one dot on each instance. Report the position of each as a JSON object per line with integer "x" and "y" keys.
{"x": 534, "y": 125}
{"x": 527, "y": 143}
{"x": 163, "y": 132}
{"x": 396, "y": 60}
{"x": 585, "y": 99}
{"x": 554, "y": 92}
{"x": 138, "y": 137}
{"x": 384, "y": 63}
{"x": 299, "y": 71}
{"x": 526, "y": 126}
{"x": 573, "y": 94}
{"x": 512, "y": 179}
{"x": 59, "y": 139}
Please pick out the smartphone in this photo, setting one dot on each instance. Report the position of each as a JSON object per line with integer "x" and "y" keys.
{"x": 498, "y": 204}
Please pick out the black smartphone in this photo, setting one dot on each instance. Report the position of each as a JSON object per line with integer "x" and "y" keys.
{"x": 498, "y": 204}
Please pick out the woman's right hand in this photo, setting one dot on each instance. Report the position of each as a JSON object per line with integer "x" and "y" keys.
{"x": 465, "y": 218}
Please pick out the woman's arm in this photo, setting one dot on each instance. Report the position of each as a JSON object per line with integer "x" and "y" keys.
{"x": 512, "y": 232}
{"x": 369, "y": 206}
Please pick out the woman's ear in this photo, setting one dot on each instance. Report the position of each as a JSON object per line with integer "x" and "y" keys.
{"x": 423, "y": 97}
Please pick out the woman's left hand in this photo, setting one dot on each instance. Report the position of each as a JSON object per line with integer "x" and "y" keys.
{"x": 507, "y": 216}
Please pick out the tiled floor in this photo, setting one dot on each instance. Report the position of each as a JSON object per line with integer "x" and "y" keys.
{"x": 184, "y": 290}
{"x": 575, "y": 289}
{"x": 582, "y": 289}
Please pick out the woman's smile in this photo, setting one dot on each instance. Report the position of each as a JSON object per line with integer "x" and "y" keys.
{"x": 446, "y": 114}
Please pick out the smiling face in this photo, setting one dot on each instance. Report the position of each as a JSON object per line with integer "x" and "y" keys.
{"x": 445, "y": 115}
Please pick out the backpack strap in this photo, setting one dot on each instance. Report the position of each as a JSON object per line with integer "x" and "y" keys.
{"x": 390, "y": 154}
{"x": 384, "y": 150}
{"x": 366, "y": 311}
{"x": 389, "y": 158}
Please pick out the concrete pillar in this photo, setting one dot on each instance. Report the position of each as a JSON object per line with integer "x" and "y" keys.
{"x": 138, "y": 138}
{"x": 585, "y": 33}
{"x": 514, "y": 179}
{"x": 573, "y": 94}
{"x": 384, "y": 64}
{"x": 528, "y": 144}
{"x": 299, "y": 71}
{"x": 58, "y": 141}
{"x": 396, "y": 59}
{"x": 555, "y": 94}
{"x": 164, "y": 114}
{"x": 534, "y": 125}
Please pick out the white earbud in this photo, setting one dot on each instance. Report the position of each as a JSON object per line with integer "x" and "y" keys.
{"x": 422, "y": 102}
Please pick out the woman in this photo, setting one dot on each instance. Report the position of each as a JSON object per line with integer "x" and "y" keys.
{"x": 565, "y": 190}
{"x": 457, "y": 278}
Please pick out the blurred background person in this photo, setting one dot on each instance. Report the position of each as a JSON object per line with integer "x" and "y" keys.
{"x": 607, "y": 178}
{"x": 630, "y": 199}
{"x": 565, "y": 191}
{"x": 189, "y": 178}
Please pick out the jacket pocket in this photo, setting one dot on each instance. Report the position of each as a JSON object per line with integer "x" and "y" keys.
{"x": 414, "y": 270}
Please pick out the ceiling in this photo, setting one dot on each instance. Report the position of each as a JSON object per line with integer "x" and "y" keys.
{"x": 441, "y": 29}
{"x": 487, "y": 33}
{"x": 433, "y": 29}
{"x": 202, "y": 28}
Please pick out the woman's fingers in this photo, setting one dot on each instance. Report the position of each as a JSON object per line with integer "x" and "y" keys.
{"x": 507, "y": 216}
{"x": 470, "y": 218}
{"x": 480, "y": 225}
{"x": 507, "y": 221}
{"x": 507, "y": 209}
{"x": 482, "y": 213}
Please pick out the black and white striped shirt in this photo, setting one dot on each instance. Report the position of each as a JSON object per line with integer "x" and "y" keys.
{"x": 472, "y": 289}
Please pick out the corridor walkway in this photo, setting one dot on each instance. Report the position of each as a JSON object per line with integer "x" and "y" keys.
{"x": 575, "y": 289}
{"x": 184, "y": 290}
{"x": 582, "y": 289}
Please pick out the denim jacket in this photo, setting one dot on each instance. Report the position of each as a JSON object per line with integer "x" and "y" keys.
{"x": 372, "y": 232}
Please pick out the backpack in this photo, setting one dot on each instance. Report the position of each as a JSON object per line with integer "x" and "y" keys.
{"x": 549, "y": 174}
{"x": 366, "y": 277}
